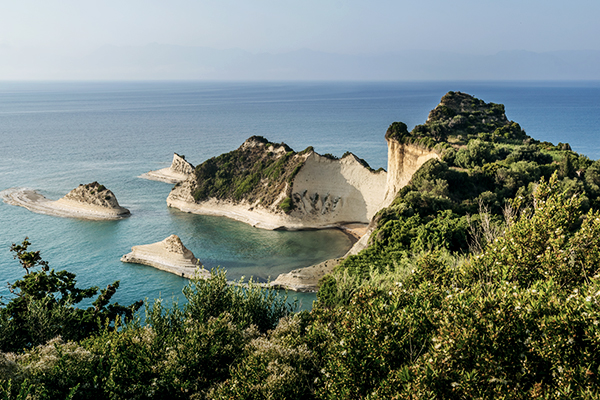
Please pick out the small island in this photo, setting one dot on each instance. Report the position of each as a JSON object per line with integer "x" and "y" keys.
{"x": 91, "y": 201}
{"x": 168, "y": 255}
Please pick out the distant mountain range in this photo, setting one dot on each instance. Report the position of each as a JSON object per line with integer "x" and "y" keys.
{"x": 161, "y": 61}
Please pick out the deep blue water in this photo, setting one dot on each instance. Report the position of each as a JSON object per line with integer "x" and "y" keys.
{"x": 54, "y": 136}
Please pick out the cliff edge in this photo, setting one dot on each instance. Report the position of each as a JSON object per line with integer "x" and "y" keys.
{"x": 178, "y": 171}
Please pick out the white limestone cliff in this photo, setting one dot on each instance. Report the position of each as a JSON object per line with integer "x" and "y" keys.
{"x": 178, "y": 171}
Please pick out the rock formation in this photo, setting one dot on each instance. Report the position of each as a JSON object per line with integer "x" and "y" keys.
{"x": 305, "y": 279}
{"x": 168, "y": 255}
{"x": 89, "y": 201}
{"x": 403, "y": 161}
{"x": 179, "y": 171}
{"x": 270, "y": 186}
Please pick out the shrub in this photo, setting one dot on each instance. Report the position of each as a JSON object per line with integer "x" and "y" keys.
{"x": 44, "y": 305}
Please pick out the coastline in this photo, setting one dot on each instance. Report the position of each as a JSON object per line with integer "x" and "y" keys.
{"x": 259, "y": 217}
{"x": 35, "y": 202}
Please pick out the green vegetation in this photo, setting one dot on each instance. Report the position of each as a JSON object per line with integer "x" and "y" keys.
{"x": 258, "y": 170}
{"x": 287, "y": 205}
{"x": 44, "y": 305}
{"x": 482, "y": 280}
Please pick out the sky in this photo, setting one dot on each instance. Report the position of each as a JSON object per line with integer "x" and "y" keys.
{"x": 47, "y": 39}
{"x": 339, "y": 26}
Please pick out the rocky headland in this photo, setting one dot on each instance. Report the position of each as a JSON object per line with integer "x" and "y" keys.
{"x": 270, "y": 186}
{"x": 168, "y": 255}
{"x": 178, "y": 171}
{"x": 90, "y": 201}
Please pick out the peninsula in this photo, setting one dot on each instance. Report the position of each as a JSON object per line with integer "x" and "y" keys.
{"x": 270, "y": 186}
{"x": 168, "y": 255}
{"x": 90, "y": 201}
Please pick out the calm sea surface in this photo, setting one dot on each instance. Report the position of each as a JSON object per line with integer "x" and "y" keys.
{"x": 54, "y": 136}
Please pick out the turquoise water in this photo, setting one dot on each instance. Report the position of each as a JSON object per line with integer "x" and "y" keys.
{"x": 54, "y": 136}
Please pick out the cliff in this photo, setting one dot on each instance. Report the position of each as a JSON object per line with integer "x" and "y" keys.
{"x": 168, "y": 255}
{"x": 271, "y": 186}
{"x": 178, "y": 171}
{"x": 403, "y": 161}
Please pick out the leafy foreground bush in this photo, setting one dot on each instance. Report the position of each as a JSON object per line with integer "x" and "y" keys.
{"x": 518, "y": 321}
{"x": 181, "y": 352}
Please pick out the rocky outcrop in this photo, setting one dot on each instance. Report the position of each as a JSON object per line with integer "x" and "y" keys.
{"x": 89, "y": 201}
{"x": 93, "y": 197}
{"x": 271, "y": 186}
{"x": 305, "y": 279}
{"x": 179, "y": 171}
{"x": 168, "y": 255}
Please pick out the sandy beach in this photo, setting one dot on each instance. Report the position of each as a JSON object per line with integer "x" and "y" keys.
{"x": 33, "y": 201}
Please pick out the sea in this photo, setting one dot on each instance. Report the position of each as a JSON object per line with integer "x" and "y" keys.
{"x": 57, "y": 135}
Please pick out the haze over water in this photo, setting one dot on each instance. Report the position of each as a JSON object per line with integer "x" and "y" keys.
{"x": 54, "y": 136}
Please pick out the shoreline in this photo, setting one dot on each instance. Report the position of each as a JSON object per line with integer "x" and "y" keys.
{"x": 263, "y": 218}
{"x": 36, "y": 202}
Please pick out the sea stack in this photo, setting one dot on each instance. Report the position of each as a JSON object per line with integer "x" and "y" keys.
{"x": 90, "y": 201}
{"x": 168, "y": 255}
{"x": 179, "y": 171}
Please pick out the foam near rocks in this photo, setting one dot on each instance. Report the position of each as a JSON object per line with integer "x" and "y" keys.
{"x": 168, "y": 255}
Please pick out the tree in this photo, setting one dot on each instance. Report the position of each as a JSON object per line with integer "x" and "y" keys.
{"x": 44, "y": 305}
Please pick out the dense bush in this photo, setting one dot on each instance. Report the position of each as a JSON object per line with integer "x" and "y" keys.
{"x": 518, "y": 321}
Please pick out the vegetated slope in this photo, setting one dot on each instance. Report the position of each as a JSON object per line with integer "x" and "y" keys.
{"x": 485, "y": 162}
{"x": 257, "y": 171}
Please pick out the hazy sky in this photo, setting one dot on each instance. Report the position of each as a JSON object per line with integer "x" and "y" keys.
{"x": 341, "y": 26}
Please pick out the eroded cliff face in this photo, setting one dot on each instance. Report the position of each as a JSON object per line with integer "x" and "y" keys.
{"x": 403, "y": 161}
{"x": 331, "y": 191}
{"x": 181, "y": 166}
{"x": 270, "y": 186}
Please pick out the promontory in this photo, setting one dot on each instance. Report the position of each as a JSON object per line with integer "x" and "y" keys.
{"x": 270, "y": 186}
